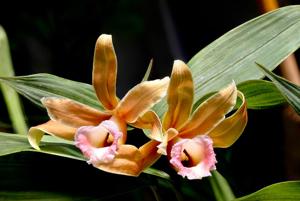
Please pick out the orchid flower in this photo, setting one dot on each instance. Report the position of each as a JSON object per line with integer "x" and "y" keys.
{"x": 101, "y": 135}
{"x": 189, "y": 139}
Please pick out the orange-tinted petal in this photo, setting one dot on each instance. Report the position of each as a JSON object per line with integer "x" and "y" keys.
{"x": 131, "y": 161}
{"x": 54, "y": 128}
{"x": 180, "y": 96}
{"x": 229, "y": 130}
{"x": 149, "y": 154}
{"x": 210, "y": 113}
{"x": 73, "y": 113}
{"x": 127, "y": 161}
{"x": 105, "y": 72}
{"x": 151, "y": 122}
{"x": 141, "y": 98}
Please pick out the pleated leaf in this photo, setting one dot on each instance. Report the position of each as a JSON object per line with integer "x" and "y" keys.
{"x": 290, "y": 91}
{"x": 267, "y": 39}
{"x": 285, "y": 191}
{"x": 36, "y": 86}
{"x": 12, "y": 143}
{"x": 261, "y": 94}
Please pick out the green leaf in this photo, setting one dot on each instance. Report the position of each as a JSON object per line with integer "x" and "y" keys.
{"x": 36, "y": 86}
{"x": 268, "y": 39}
{"x": 156, "y": 172}
{"x": 11, "y": 98}
{"x": 12, "y": 143}
{"x": 261, "y": 94}
{"x": 220, "y": 187}
{"x": 284, "y": 191}
{"x": 289, "y": 90}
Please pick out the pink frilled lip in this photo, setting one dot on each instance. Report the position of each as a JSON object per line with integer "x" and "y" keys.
{"x": 98, "y": 155}
{"x": 203, "y": 168}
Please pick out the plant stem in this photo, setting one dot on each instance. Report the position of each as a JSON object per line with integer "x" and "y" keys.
{"x": 11, "y": 98}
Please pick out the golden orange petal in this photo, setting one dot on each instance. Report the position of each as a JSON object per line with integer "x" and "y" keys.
{"x": 229, "y": 130}
{"x": 131, "y": 161}
{"x": 210, "y": 113}
{"x": 179, "y": 97}
{"x": 141, "y": 98}
{"x": 151, "y": 122}
{"x": 149, "y": 154}
{"x": 128, "y": 161}
{"x": 73, "y": 113}
{"x": 105, "y": 72}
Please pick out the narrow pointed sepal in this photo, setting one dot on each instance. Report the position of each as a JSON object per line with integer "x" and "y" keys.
{"x": 141, "y": 98}
{"x": 179, "y": 97}
{"x": 105, "y": 72}
{"x": 72, "y": 113}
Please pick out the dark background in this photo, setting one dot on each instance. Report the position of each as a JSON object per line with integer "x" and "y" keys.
{"x": 58, "y": 37}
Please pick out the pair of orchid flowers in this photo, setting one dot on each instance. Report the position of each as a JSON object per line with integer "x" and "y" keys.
{"x": 186, "y": 137}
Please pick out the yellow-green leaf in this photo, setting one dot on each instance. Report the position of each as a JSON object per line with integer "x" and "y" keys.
{"x": 11, "y": 98}
{"x": 267, "y": 39}
{"x": 284, "y": 191}
{"x": 290, "y": 91}
{"x": 36, "y": 86}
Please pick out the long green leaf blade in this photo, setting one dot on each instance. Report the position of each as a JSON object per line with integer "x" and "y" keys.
{"x": 289, "y": 90}
{"x": 11, "y": 98}
{"x": 285, "y": 191}
{"x": 267, "y": 39}
{"x": 36, "y": 86}
{"x": 220, "y": 187}
{"x": 12, "y": 143}
{"x": 156, "y": 172}
{"x": 261, "y": 94}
